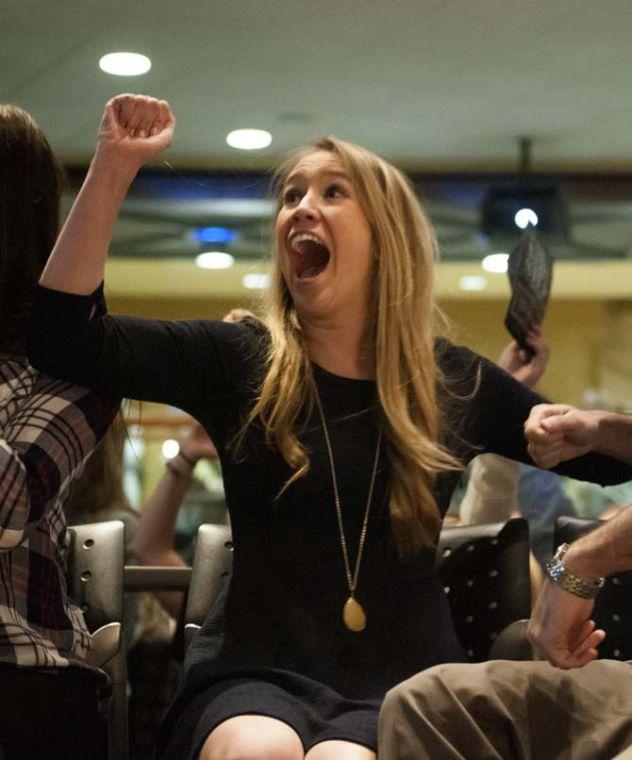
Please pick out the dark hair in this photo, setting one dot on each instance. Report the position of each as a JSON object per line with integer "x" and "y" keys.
{"x": 31, "y": 183}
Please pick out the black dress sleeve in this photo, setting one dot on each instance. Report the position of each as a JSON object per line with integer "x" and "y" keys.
{"x": 488, "y": 409}
{"x": 197, "y": 365}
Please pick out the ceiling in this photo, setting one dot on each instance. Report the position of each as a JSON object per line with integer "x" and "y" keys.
{"x": 437, "y": 83}
{"x": 438, "y": 86}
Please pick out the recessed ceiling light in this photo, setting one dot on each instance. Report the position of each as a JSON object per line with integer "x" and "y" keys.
{"x": 495, "y": 262}
{"x": 256, "y": 281}
{"x": 472, "y": 282}
{"x": 214, "y": 260}
{"x": 125, "y": 64}
{"x": 249, "y": 139}
{"x": 525, "y": 217}
{"x": 170, "y": 448}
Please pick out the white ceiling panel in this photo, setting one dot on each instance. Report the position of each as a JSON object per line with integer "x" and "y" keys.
{"x": 450, "y": 81}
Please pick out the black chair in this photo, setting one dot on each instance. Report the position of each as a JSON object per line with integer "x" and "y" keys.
{"x": 95, "y": 583}
{"x": 613, "y": 604}
{"x": 485, "y": 569}
{"x": 97, "y": 580}
{"x": 212, "y": 568}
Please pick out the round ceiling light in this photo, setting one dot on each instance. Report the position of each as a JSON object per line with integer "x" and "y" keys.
{"x": 256, "y": 281}
{"x": 214, "y": 260}
{"x": 495, "y": 262}
{"x": 170, "y": 448}
{"x": 249, "y": 139}
{"x": 525, "y": 217}
{"x": 125, "y": 64}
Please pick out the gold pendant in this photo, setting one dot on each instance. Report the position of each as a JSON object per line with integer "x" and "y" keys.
{"x": 353, "y": 615}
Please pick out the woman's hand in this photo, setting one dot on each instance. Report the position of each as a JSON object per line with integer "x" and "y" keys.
{"x": 134, "y": 129}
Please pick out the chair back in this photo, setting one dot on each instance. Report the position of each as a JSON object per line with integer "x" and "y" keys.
{"x": 485, "y": 572}
{"x": 613, "y": 604}
{"x": 96, "y": 556}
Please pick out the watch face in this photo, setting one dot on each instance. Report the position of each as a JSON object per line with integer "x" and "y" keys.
{"x": 556, "y": 571}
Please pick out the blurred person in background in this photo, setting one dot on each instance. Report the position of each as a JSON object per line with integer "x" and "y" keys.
{"x": 154, "y": 541}
{"x": 48, "y": 692}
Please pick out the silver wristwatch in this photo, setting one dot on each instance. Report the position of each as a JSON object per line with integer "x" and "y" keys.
{"x": 569, "y": 582}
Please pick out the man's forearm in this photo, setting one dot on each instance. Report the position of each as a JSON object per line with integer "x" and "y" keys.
{"x": 606, "y": 550}
{"x": 615, "y": 435}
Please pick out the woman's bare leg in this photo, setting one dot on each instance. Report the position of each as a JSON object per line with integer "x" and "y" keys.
{"x": 339, "y": 750}
{"x": 252, "y": 737}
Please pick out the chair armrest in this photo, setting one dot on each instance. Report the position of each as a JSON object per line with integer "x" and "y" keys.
{"x": 512, "y": 643}
{"x": 191, "y": 630}
{"x": 106, "y": 642}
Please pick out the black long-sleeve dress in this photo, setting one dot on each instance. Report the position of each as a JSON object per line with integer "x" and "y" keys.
{"x": 282, "y": 649}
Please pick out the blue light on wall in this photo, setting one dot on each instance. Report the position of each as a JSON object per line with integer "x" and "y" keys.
{"x": 214, "y": 235}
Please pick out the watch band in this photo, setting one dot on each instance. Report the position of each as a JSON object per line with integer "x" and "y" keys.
{"x": 569, "y": 582}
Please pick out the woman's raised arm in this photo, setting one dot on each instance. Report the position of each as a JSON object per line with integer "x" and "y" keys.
{"x": 134, "y": 129}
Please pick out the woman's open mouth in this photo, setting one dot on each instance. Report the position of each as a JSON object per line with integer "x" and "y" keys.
{"x": 308, "y": 255}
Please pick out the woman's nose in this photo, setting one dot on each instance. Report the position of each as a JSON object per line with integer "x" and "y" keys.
{"x": 306, "y": 209}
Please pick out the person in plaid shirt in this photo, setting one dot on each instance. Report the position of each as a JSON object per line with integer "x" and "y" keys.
{"x": 48, "y": 427}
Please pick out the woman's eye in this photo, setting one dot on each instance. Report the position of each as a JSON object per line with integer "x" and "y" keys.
{"x": 291, "y": 196}
{"x": 334, "y": 191}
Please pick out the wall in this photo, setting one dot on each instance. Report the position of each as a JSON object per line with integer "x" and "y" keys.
{"x": 591, "y": 340}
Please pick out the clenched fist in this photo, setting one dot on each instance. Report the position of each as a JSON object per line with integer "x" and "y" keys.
{"x": 134, "y": 129}
{"x": 557, "y": 432}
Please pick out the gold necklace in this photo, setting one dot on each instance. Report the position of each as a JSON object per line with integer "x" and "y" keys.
{"x": 353, "y": 614}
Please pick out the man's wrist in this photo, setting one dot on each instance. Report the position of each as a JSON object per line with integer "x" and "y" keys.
{"x": 573, "y": 578}
{"x": 614, "y": 434}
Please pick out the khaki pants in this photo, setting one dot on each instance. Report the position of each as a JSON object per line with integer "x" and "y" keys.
{"x": 504, "y": 710}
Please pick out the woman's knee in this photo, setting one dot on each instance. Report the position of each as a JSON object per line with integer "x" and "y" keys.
{"x": 252, "y": 737}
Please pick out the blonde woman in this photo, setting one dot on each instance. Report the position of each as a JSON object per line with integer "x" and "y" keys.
{"x": 341, "y": 424}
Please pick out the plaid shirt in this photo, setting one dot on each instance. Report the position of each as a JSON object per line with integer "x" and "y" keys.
{"x": 48, "y": 428}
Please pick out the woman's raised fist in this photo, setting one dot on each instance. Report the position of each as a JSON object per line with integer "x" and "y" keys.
{"x": 135, "y": 128}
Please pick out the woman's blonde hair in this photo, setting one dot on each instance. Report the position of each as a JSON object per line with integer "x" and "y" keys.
{"x": 404, "y": 328}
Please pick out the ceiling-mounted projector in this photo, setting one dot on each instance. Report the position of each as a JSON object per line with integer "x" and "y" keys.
{"x": 509, "y": 209}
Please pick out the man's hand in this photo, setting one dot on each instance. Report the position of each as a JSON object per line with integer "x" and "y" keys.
{"x": 561, "y": 628}
{"x": 134, "y": 129}
{"x": 557, "y": 432}
{"x": 514, "y": 360}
